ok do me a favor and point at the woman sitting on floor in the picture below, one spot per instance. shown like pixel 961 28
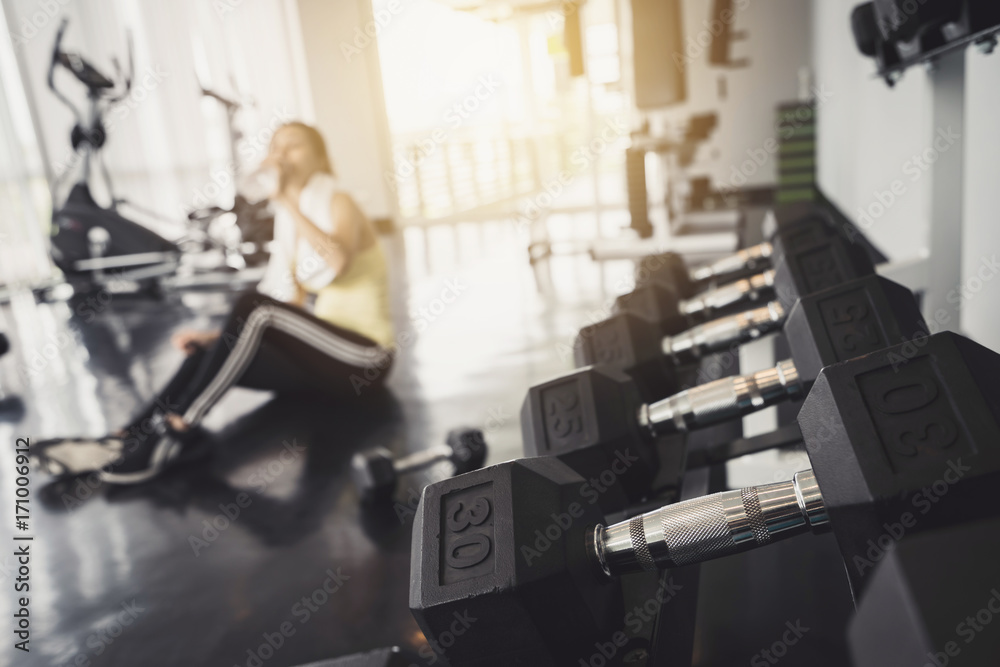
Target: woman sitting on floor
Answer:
pixel 326 254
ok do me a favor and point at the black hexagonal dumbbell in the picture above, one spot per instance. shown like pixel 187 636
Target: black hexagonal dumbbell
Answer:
pixel 928 597
pixel 636 346
pixel 592 417
pixel 903 440
pixel 519 548
pixel 788 226
pixel 376 473
pixel 811 260
pixel 589 419
pixel 467 563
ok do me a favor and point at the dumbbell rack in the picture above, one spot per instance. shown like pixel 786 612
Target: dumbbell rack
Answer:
pixel 686 620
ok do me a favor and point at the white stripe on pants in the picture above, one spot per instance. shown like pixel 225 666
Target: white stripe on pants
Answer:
pixel 248 342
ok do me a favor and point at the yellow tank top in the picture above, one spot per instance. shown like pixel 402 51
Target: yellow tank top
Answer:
pixel 358 299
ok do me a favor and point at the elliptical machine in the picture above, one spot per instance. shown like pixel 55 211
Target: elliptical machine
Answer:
pixel 88 240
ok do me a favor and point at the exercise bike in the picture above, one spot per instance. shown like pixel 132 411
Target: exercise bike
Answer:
pixel 92 244
pixel 247 225
pixel 97 247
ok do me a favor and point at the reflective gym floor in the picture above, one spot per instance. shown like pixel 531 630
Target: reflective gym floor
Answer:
pixel 262 556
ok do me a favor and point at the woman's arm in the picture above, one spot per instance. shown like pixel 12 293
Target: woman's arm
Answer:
pixel 337 247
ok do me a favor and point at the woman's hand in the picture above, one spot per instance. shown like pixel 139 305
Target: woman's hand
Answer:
pixel 288 200
pixel 277 166
pixel 190 340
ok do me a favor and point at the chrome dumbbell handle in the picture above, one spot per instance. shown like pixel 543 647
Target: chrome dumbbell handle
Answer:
pixel 735 292
pixel 422 459
pixel 709 527
pixel 748 258
pixel 721 400
pixel 721 333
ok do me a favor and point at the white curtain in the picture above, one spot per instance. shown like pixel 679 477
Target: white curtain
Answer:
pixel 167 148
pixel 24 200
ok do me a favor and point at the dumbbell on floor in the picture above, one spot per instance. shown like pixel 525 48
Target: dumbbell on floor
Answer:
pixel 519 548
pixel 376 473
pixel 589 417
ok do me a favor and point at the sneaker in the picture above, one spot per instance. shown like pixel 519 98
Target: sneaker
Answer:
pixel 66 457
pixel 115 459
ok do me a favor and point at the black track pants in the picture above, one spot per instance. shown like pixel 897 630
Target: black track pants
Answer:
pixel 270 345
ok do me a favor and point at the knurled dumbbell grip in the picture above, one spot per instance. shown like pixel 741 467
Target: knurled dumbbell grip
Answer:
pixel 722 332
pixel 727 295
pixel 709 527
pixel 721 400
pixel 422 459
pixel 746 258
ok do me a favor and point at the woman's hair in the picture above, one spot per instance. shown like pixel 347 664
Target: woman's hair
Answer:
pixel 315 141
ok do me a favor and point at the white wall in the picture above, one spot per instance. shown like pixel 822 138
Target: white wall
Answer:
pixel 868 132
pixel 347 97
pixel 868 136
pixel 777 46
pixel 981 311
